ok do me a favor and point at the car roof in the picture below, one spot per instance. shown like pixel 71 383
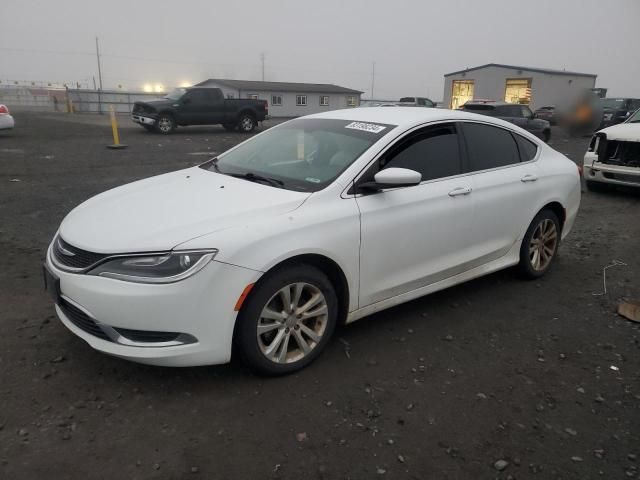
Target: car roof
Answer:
pixel 405 117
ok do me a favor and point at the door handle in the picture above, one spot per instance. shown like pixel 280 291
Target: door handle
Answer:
pixel 529 178
pixel 460 191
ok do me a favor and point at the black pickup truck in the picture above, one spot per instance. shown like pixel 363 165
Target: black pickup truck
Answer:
pixel 199 106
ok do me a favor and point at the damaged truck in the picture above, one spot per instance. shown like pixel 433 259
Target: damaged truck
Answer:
pixel 613 156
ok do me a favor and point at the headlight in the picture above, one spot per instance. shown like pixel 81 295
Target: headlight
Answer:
pixel 159 268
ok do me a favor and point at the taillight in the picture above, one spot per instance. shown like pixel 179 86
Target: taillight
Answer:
pixel 4 109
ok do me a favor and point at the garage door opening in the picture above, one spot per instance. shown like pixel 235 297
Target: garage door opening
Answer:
pixel 518 90
pixel 461 93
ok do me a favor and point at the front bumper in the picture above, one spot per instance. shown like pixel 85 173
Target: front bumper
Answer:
pixel 143 119
pixel 200 307
pixel 6 122
pixel 594 171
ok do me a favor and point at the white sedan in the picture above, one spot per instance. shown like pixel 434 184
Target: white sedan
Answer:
pixel 6 120
pixel 318 221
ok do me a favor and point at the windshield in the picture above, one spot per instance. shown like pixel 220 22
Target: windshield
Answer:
pixel 303 155
pixel 634 118
pixel 176 94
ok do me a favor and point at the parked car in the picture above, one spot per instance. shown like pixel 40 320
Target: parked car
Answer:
pixel 6 120
pixel 613 156
pixel 316 222
pixel 199 106
pixel 369 104
pixel 550 114
pixel 416 102
pixel 520 115
pixel 617 110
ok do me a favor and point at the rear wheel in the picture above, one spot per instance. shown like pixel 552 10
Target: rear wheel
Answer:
pixel 540 245
pixel 287 320
pixel 246 123
pixel 165 124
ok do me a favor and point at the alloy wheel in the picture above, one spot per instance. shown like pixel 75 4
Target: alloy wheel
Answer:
pixel 543 244
pixel 246 124
pixel 165 124
pixel 292 323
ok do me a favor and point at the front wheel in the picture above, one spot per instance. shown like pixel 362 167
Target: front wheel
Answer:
pixel 165 124
pixel 287 320
pixel 246 123
pixel 539 245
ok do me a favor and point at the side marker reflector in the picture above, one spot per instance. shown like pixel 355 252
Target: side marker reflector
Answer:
pixel 243 296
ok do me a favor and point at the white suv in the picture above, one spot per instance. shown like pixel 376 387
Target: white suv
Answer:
pixel 613 156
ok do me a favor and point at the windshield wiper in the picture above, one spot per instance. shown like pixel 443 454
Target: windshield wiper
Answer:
pixel 253 177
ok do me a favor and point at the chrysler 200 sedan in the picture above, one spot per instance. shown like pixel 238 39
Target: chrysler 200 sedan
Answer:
pixel 319 221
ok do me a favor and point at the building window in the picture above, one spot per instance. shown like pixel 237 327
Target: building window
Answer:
pixel 351 101
pixel 324 100
pixel 276 99
pixel 461 93
pixel 253 96
pixel 301 100
pixel 518 90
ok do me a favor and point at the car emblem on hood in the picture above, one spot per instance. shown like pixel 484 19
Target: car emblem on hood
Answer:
pixel 64 251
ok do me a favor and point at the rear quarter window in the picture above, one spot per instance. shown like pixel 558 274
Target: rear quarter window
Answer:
pixel 527 148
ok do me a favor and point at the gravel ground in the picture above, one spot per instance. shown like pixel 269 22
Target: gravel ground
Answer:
pixel 496 378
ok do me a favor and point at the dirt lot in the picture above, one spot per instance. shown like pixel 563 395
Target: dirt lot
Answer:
pixel 543 375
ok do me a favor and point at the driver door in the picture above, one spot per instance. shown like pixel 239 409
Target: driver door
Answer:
pixel 415 236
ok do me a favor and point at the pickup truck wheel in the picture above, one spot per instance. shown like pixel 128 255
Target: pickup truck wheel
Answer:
pixel 165 124
pixel 247 123
pixel 229 127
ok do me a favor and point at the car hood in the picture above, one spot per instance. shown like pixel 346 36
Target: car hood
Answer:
pixel 161 212
pixel 626 132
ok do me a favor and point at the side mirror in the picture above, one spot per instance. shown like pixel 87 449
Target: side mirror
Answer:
pixel 392 178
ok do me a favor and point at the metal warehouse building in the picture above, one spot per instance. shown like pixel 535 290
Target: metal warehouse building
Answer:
pixel 536 87
pixel 289 99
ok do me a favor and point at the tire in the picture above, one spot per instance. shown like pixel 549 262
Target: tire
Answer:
pixel 246 123
pixel 546 136
pixel 165 124
pixel 263 352
pixel 229 127
pixel 537 254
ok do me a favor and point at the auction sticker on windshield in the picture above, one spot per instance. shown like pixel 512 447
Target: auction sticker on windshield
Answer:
pixel 366 127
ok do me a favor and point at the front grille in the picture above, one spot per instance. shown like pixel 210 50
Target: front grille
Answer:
pixel 147 335
pixel 81 319
pixel 72 257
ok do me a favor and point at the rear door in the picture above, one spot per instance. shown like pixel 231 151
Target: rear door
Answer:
pixel 214 112
pixel 505 188
pixel 414 236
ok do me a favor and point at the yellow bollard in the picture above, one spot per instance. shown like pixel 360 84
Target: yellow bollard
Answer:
pixel 114 130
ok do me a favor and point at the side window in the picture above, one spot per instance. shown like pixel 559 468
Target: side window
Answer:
pixel 527 148
pixel 434 152
pixel 503 111
pixel 489 147
pixel 421 102
pixel 197 97
pixel 526 111
pixel 213 95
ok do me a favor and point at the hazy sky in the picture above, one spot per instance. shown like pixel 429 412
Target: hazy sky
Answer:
pixel 413 42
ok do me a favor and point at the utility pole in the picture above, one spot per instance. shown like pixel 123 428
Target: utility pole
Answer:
pixel 373 78
pixel 99 77
pixel 262 59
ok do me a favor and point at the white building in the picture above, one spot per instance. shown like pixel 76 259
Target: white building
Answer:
pixel 289 99
pixel 536 87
